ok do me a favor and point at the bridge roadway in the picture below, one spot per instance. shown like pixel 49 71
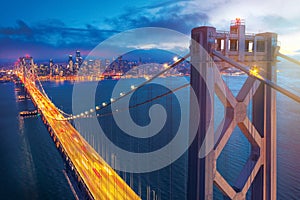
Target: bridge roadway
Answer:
pixel 100 179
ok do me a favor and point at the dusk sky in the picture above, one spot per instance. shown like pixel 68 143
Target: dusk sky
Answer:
pixel 54 29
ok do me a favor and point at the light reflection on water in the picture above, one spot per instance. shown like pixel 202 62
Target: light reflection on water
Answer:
pixel 32 176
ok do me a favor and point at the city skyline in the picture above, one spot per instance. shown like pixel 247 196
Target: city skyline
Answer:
pixel 56 31
pixel 150 100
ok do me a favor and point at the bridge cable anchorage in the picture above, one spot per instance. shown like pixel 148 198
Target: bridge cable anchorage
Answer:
pixel 133 89
pixel 257 76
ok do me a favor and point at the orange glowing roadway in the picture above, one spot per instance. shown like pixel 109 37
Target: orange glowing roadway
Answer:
pixel 100 179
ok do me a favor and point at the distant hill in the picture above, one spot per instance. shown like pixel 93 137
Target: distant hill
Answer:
pixel 151 55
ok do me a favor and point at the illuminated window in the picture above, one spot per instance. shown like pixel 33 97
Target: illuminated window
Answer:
pixel 249 47
pixel 220 44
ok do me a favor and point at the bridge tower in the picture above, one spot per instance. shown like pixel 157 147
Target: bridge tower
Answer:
pixel 259 172
pixel 27 67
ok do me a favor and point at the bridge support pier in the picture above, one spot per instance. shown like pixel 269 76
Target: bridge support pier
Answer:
pixel 201 170
pixel 264 120
pixel 259 173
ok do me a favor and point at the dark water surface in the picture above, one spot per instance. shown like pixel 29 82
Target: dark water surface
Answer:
pixel 31 167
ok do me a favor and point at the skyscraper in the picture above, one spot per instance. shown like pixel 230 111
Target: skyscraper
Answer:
pixel 70 63
pixel 78 58
pixel 78 54
pixel 51 67
pixel 78 61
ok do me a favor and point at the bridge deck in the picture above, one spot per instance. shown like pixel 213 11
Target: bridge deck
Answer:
pixel 100 179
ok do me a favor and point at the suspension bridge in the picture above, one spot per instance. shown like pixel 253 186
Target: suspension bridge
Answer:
pixel 210 51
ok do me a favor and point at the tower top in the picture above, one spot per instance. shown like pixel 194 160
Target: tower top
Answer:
pixel 237 22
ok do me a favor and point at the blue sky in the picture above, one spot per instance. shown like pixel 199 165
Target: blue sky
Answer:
pixel 53 29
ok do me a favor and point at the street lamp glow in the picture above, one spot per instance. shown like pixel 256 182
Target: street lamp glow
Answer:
pixel 254 70
pixel 175 59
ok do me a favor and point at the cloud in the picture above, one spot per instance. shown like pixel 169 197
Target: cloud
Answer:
pixel 278 16
pixel 163 4
pixel 21 30
pixel 48 35
pixel 168 14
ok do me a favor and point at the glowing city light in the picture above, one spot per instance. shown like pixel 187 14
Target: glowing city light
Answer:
pixel 254 70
